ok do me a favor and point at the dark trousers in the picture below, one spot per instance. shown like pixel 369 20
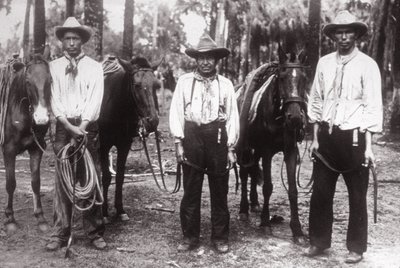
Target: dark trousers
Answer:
pixel 337 149
pixel 92 218
pixel 203 148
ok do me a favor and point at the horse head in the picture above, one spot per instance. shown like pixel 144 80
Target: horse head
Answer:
pixel 292 89
pixel 145 84
pixel 38 81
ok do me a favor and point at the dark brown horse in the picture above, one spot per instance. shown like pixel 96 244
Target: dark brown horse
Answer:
pixel 26 124
pixel 127 109
pixel 278 118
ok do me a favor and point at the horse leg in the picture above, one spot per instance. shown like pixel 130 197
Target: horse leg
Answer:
pixel 35 159
pixel 106 177
pixel 255 173
pixel 267 191
pixel 123 152
pixel 244 202
pixel 290 160
pixel 9 156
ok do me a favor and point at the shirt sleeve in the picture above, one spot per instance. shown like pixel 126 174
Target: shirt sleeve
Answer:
pixel 232 114
pixel 94 95
pixel 177 112
pixel 315 101
pixel 372 117
pixel 57 107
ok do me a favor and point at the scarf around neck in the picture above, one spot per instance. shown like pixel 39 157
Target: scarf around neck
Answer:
pixel 341 62
pixel 73 63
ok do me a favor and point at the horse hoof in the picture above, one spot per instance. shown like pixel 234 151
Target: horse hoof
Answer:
pixel 255 208
pixel 300 240
pixel 11 227
pixel 106 220
pixel 43 227
pixel 243 216
pixel 123 217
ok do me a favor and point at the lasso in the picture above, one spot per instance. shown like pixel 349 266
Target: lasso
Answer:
pixel 89 189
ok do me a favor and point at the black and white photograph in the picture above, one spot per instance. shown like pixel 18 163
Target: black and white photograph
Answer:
pixel 200 133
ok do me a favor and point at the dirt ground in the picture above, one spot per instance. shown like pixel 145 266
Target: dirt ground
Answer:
pixel 151 236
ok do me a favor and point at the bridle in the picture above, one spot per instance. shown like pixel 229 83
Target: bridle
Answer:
pixel 295 99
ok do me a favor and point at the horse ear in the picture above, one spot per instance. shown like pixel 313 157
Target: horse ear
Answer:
pixel 302 57
pixel 282 55
pixel 46 52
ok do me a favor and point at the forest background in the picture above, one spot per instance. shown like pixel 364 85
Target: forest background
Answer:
pixel 251 29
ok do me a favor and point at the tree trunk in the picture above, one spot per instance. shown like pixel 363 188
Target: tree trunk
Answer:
pixel 39 27
pixel 70 8
pixel 313 42
pixel 213 18
pixel 254 45
pixel 25 39
pixel 93 17
pixel 395 103
pixel 155 28
pixel 127 39
pixel 377 44
pixel 220 24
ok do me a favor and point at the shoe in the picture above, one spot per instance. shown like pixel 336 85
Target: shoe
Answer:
pixel 353 257
pixel 99 243
pixel 221 246
pixel 56 245
pixel 313 251
pixel 187 245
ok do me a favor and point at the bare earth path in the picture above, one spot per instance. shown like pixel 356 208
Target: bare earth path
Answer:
pixel 150 238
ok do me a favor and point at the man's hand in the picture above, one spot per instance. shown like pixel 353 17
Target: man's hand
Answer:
pixel 313 147
pixel 231 157
pixel 179 152
pixel 369 158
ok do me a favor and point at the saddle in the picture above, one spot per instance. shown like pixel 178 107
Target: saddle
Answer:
pixel 248 99
pixel 7 74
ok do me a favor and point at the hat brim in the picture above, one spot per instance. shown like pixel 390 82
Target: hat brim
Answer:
pixel 84 32
pixel 359 27
pixel 218 53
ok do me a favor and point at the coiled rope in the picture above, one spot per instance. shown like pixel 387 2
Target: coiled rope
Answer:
pixel 88 190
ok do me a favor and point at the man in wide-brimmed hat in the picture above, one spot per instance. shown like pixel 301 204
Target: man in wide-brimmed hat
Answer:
pixel 76 95
pixel 205 123
pixel 345 107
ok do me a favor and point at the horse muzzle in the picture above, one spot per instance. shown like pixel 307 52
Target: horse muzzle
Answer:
pixel 41 115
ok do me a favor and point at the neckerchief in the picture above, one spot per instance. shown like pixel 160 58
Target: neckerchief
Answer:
pixel 73 63
pixel 206 98
pixel 341 62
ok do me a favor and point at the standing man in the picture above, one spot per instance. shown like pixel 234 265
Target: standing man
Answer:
pixel 345 107
pixel 205 123
pixel 76 95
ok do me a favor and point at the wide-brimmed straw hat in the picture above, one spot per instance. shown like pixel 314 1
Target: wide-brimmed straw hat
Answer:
pixel 345 19
pixel 207 46
pixel 71 24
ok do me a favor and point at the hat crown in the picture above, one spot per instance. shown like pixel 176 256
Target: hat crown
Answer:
pixel 206 43
pixel 344 17
pixel 71 22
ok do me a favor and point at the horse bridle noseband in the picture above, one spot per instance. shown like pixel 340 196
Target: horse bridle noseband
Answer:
pixel 296 99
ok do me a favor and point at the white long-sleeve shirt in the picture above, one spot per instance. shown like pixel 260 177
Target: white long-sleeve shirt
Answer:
pixel 85 97
pixel 360 102
pixel 184 106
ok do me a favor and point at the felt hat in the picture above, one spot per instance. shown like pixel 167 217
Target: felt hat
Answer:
pixel 345 19
pixel 207 46
pixel 71 24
